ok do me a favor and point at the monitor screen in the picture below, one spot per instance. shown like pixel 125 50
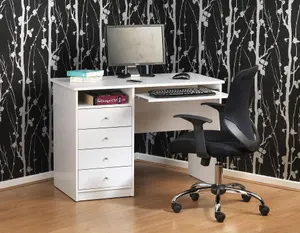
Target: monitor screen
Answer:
pixel 130 45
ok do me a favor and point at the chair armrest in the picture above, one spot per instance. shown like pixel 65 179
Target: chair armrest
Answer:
pixel 220 108
pixel 217 106
pixel 198 122
pixel 195 120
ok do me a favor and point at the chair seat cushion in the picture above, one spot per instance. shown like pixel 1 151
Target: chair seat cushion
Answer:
pixel 218 144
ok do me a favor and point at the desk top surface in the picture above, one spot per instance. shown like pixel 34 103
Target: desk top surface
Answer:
pixel 160 80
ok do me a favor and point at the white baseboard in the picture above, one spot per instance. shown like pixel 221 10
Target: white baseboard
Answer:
pixel 161 160
pixel 25 180
pixel 270 181
pixel 266 180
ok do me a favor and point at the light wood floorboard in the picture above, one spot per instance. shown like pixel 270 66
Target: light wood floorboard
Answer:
pixel 41 208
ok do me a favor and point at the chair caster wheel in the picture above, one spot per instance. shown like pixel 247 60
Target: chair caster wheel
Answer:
pixel 264 210
pixel 220 216
pixel 246 198
pixel 194 196
pixel 176 207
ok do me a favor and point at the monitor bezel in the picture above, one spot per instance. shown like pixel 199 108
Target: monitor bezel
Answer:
pixel 162 26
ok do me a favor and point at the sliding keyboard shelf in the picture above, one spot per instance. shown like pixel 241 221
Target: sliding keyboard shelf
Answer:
pixel 150 99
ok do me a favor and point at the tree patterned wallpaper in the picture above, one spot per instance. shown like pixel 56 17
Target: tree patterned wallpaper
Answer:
pixel 41 39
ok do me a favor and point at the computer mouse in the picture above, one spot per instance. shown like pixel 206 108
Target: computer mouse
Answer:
pixel 183 75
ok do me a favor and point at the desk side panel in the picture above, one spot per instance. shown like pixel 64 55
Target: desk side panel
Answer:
pixel 65 140
pixel 131 94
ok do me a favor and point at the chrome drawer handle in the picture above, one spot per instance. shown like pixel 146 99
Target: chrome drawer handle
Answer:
pixel 106 178
pixel 106 138
pixel 105 159
pixel 105 118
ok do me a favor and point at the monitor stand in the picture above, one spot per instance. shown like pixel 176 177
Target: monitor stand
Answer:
pixel 133 72
pixel 147 75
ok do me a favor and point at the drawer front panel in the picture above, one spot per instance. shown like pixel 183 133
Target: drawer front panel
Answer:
pixel 99 138
pixel 104 117
pixel 108 157
pixel 105 178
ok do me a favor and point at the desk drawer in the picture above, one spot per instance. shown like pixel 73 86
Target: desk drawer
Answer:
pixel 104 117
pixel 101 158
pixel 105 178
pixel 99 138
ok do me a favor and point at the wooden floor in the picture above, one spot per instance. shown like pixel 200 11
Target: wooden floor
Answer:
pixel 42 208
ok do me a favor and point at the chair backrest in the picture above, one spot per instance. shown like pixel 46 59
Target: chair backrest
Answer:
pixel 237 115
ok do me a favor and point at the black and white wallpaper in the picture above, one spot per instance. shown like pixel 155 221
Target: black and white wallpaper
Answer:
pixel 41 39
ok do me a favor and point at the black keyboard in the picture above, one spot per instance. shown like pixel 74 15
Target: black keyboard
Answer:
pixel 178 92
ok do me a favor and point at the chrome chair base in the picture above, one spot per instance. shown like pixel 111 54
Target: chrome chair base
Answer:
pixel 218 190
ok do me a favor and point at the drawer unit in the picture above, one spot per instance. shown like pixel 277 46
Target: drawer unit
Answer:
pixel 104 117
pixel 105 178
pixel 103 158
pixel 101 138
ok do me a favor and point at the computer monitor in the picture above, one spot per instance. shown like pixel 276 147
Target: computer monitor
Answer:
pixel 135 45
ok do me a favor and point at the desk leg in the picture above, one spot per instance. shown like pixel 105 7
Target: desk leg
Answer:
pixel 204 174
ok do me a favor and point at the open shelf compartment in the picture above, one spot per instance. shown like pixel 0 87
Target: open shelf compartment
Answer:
pixel 82 104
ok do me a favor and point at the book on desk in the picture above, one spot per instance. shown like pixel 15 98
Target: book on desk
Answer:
pixel 85 75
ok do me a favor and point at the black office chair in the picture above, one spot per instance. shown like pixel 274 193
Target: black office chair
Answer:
pixel 237 137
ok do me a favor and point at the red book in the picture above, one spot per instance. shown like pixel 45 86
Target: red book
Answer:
pixel 105 97
pixel 110 99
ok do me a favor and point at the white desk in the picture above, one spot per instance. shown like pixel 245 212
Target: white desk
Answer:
pixel 94 145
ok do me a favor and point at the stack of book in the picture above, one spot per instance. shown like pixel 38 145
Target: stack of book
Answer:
pixel 85 75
